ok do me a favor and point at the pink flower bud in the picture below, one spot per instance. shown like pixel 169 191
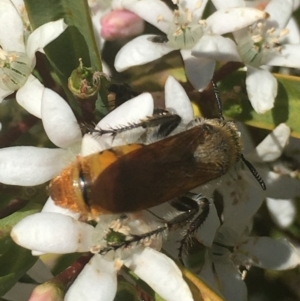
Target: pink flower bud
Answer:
pixel 121 24
pixel 47 292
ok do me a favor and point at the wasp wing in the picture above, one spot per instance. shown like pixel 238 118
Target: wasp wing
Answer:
pixel 155 173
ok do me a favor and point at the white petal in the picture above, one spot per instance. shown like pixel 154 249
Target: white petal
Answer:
pixel 177 99
pixel 233 288
pixel 283 212
pixel 96 282
pixel 222 275
pixel 232 19
pixel 272 146
pixel 271 254
pixel 207 273
pixel 29 96
pixel 58 119
pixel 192 4
pixel 262 89
pixel 288 57
pixel 160 273
pixel 50 206
pixel 280 186
pixel 294 34
pixel 53 233
pixel 11 28
pixel 19 5
pixel 198 70
pixel 280 12
pixel 139 51
pixel 92 144
pixel 43 35
pixel 149 10
pixel 130 112
pixel 206 233
pixel 217 48
pixel 29 166
pixel 221 4
pixel 242 197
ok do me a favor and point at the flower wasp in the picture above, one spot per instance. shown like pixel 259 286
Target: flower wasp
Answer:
pixel 137 176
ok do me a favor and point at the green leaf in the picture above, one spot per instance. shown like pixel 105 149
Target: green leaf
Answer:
pixel 286 107
pixel 78 41
pixel 126 291
pixel 14 260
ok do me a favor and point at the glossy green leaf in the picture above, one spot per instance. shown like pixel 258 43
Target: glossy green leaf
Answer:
pixel 78 41
pixel 14 260
pixel 126 291
pixel 286 108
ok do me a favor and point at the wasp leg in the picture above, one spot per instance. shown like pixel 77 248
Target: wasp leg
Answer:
pixel 193 227
pixel 166 121
pixel 185 204
pixel 188 206
pixel 132 239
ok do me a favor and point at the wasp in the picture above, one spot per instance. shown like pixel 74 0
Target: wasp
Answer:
pixel 134 177
pixel 139 176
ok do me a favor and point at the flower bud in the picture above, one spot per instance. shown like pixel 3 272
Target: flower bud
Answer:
pixel 120 24
pixel 84 82
pixel 48 291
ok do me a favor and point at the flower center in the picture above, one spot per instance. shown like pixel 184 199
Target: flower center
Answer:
pixel 186 29
pixel 15 68
pixel 261 44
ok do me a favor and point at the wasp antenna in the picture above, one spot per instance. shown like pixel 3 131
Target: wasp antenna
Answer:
pixel 218 99
pixel 254 172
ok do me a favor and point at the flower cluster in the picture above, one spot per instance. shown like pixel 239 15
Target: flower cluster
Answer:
pixel 260 39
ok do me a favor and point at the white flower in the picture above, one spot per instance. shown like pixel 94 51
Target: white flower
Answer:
pixel 282 188
pixel 184 30
pixel 234 248
pixel 262 44
pixel 28 165
pixel 17 56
